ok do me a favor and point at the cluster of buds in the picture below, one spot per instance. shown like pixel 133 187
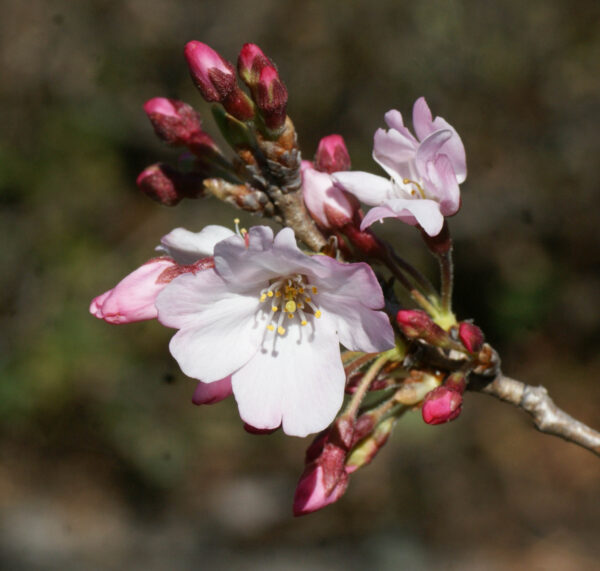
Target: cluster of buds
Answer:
pixel 287 311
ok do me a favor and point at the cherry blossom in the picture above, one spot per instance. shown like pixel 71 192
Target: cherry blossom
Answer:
pixel 425 172
pixel 272 318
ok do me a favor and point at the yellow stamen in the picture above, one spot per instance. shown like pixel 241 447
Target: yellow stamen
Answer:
pixel 271 327
pixel 314 289
pixel 303 322
pixel 274 308
pixel 280 330
pixel 307 299
pixel 317 314
pixel 263 297
pixel 270 293
pixel 277 293
pixel 291 315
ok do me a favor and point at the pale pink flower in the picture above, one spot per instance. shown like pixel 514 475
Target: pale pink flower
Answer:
pixel 425 172
pixel 132 299
pixel 272 317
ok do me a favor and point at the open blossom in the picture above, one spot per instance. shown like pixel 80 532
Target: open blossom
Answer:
pixel 132 299
pixel 272 318
pixel 425 172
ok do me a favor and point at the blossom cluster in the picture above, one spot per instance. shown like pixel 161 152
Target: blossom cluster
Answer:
pixel 303 337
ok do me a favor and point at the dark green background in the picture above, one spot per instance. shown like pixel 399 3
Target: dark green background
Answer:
pixel 105 463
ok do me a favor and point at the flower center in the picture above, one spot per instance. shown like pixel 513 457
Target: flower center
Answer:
pixel 289 296
pixel 417 188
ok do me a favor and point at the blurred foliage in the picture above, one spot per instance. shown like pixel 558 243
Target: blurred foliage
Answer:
pixel 100 446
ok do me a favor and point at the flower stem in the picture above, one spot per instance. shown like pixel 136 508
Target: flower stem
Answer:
pixel 447 276
pixel 365 383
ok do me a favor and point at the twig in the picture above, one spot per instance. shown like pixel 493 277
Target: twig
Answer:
pixel 547 417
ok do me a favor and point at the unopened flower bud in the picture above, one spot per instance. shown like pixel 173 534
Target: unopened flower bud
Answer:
pixel 327 204
pixel 441 405
pixel 174 121
pixel 311 494
pixel 471 336
pixel 332 155
pixel 167 185
pixel 271 98
pixel 215 77
pixel 416 324
pixel 251 62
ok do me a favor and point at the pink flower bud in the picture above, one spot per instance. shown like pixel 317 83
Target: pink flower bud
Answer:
pixel 327 204
pixel 132 299
pixel 211 393
pixel 471 336
pixel 174 121
pixel 441 405
pixel 251 62
pixel 215 78
pixel 332 155
pixel 416 324
pixel 271 98
pixel 311 493
pixel 213 75
pixel 259 431
pixel 168 186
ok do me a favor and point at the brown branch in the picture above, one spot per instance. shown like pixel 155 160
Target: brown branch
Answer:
pixel 547 417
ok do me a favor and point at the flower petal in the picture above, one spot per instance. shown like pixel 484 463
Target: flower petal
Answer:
pixel 218 330
pixel 416 211
pixel 368 188
pixel 429 148
pixel 394 120
pixel 133 298
pixel 188 247
pixel 319 192
pixel 211 393
pixel 300 384
pixel 422 119
pixel 453 147
pixel 443 184
pixel 359 328
pixel 394 153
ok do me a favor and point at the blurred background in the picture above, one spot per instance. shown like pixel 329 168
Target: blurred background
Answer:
pixel 104 461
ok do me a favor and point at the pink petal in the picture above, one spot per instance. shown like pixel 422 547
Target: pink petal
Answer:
pixel 318 192
pixel 453 147
pixel 133 298
pixel 188 247
pixel 394 120
pixel 443 185
pixel 217 326
pixel 422 119
pixel 368 188
pixel 430 148
pixel 211 393
pixel 296 380
pixel 394 152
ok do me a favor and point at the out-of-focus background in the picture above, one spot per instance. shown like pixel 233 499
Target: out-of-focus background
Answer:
pixel 104 461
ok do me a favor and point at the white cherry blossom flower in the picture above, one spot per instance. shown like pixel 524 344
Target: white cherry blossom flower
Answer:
pixel 272 318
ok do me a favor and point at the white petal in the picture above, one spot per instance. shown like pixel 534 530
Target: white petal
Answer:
pixel 359 328
pixel 367 187
pixel 301 386
pixel 187 247
pixel 218 331
pixel 429 148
